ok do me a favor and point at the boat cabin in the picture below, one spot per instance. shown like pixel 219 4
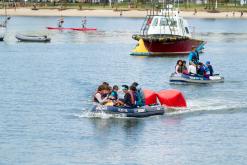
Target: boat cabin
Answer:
pixel 166 22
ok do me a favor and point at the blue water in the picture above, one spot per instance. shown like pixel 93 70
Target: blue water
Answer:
pixel 45 90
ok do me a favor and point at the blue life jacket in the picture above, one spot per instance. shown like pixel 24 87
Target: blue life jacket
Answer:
pixel 140 100
pixel 114 94
pixel 194 57
pixel 210 69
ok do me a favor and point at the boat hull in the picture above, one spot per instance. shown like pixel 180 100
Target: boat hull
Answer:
pixel 157 48
pixel 75 29
pixel 145 111
pixel 175 78
pixel 26 38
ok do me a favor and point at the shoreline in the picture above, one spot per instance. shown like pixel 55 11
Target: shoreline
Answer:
pixel 112 13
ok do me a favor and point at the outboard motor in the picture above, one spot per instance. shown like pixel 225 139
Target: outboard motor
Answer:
pixel 171 98
pixel 150 97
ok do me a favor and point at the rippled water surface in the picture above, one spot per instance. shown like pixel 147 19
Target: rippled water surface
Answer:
pixel 45 89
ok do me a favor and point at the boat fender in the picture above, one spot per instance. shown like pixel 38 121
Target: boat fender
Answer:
pixel 171 98
pixel 155 39
pixel 136 37
pixel 161 39
pixel 150 97
pixel 173 39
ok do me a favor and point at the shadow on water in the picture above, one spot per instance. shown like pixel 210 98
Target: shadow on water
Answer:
pixel 162 56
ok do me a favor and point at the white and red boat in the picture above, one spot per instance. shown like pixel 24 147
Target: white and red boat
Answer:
pixel 166 33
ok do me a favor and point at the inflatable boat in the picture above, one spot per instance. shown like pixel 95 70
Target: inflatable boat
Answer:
pixel 84 29
pixel 139 112
pixel 76 29
pixel 29 38
pixel 184 78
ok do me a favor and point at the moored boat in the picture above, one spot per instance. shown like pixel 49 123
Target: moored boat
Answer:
pixel 184 78
pixel 166 33
pixel 32 38
pixel 144 111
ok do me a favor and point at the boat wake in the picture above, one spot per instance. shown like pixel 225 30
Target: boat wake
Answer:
pixel 195 107
pixel 212 106
pixel 100 114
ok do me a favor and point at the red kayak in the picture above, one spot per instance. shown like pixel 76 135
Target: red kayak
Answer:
pixel 77 29
pixel 84 29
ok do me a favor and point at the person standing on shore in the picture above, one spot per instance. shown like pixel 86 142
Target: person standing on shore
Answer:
pixel 241 13
pixel 195 11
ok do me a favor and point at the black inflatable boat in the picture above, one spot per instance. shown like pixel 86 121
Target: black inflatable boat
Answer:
pixel 144 111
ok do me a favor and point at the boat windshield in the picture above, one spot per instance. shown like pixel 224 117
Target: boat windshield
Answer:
pixel 173 23
pixel 155 22
pixel 166 22
pixel 163 22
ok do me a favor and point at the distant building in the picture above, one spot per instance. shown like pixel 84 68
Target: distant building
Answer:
pixel 243 2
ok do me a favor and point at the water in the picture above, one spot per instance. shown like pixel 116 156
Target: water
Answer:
pixel 45 90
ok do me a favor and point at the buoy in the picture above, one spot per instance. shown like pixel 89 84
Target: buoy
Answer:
pixel 150 97
pixel 171 98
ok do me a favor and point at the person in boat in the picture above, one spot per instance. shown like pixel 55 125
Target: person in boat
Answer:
pixel 107 87
pixel 184 68
pixel 140 98
pixel 192 70
pixel 60 22
pixel 114 95
pixel 84 22
pixel 105 83
pixel 129 97
pixel 194 57
pixel 201 69
pixel 100 96
pixel 194 54
pixel 179 67
pixel 209 69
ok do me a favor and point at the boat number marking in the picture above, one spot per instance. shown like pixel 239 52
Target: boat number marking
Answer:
pixel 140 110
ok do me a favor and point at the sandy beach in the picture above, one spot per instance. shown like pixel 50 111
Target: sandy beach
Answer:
pixel 112 13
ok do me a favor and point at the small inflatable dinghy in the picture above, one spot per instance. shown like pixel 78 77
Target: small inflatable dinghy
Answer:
pixel 32 38
pixel 144 111
pixel 184 78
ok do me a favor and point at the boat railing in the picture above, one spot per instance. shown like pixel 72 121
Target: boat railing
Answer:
pixel 182 27
pixel 193 31
pixel 171 17
pixel 146 24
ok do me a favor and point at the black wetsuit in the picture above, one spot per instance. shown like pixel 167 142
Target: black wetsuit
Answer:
pixel 127 100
